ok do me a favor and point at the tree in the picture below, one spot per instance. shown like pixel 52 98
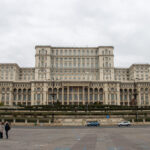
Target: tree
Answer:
pixel 1 104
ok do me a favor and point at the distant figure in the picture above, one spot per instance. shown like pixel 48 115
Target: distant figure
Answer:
pixel 7 128
pixel 1 130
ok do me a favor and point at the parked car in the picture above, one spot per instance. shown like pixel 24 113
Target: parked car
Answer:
pixel 124 123
pixel 93 123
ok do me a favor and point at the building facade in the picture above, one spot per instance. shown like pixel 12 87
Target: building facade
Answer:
pixel 74 75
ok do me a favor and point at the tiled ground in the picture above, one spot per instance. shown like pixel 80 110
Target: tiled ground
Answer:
pixel 78 139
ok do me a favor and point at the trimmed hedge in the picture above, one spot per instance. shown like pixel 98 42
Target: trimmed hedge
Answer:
pixel 147 119
pixel 32 120
pixel 20 120
pixel 89 107
pixel 45 114
pixel 138 120
pixel 43 120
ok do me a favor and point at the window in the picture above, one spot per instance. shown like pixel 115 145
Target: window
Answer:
pixel 70 96
pixel 75 97
pixel 38 96
pixel 79 52
pixel 91 96
pixel 70 52
pixel 80 96
pixel 56 52
pixel 101 97
pixel 106 51
pixel 96 97
pixel 112 96
pixel 83 51
pixel 3 97
pixel 65 52
pixel 24 97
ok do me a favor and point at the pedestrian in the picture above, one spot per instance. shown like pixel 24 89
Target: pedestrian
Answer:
pixel 7 128
pixel 1 130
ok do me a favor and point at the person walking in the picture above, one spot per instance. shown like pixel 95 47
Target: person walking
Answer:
pixel 1 130
pixel 7 128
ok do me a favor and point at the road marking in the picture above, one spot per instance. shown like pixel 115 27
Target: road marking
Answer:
pixel 78 138
pixel 145 147
pixel 114 148
pixel 62 148
pixel 37 145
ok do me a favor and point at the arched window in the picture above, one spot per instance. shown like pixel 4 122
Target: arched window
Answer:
pixel 38 89
pixel 24 90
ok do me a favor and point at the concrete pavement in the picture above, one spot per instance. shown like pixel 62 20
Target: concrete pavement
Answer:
pixel 91 138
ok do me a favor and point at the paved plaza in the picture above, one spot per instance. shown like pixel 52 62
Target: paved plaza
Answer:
pixel 92 138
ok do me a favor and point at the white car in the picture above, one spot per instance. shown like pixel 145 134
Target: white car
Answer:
pixel 124 123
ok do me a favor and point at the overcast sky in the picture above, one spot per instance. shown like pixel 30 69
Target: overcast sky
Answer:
pixel 124 24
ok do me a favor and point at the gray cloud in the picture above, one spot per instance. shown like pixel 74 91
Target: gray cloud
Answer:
pixel 121 23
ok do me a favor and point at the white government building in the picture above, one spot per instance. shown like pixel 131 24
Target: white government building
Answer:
pixel 74 75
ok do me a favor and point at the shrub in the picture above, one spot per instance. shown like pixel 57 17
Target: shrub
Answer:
pixel 43 121
pixel 138 120
pixel 20 120
pixel 32 120
pixel 147 119
pixel 1 104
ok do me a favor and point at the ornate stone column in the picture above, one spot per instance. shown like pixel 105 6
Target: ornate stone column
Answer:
pixel 5 98
pixel 83 97
pixel 11 96
pixel 106 93
pixel 93 95
pixel 128 97
pixel 149 96
pixel 27 97
pixel 98 96
pixel 139 97
pixel 144 99
pixel 78 95
pixel 17 97
pixel 44 94
pixel 0 95
pixel 88 95
pixel 67 95
pixel 32 94
pixel 62 95
pixel 21 96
